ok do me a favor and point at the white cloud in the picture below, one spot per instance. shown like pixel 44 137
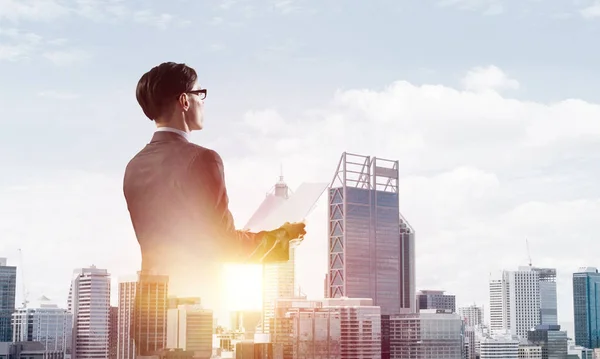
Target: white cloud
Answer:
pixel 67 57
pixel 487 7
pixel 227 4
pixel 13 52
pixel 592 11
pixel 277 51
pixel 217 20
pixel 488 78
pixel 59 95
pixel 37 10
pixel 480 173
pixel 96 10
pixel 16 45
pixel 286 6
pixel 58 41
pixel 216 47
pixel 162 21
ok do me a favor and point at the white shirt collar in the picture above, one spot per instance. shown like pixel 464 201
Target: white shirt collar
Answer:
pixel 174 130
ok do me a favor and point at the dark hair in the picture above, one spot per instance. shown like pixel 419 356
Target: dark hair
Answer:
pixel 162 84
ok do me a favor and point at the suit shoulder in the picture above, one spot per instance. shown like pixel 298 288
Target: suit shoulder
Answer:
pixel 134 159
pixel 204 154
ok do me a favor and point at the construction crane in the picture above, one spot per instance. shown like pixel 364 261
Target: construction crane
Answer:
pixel 24 286
pixel 528 253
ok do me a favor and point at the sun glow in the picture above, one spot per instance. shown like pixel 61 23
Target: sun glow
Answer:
pixel 242 287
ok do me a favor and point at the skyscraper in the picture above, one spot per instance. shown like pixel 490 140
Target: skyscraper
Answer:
pixel 550 339
pixel 89 302
pixel 436 299
pixel 46 323
pixel 143 302
pixel 8 285
pixel 280 206
pixel 548 295
pixel 471 315
pixel 279 279
pixel 515 302
pixel 586 307
pixel 190 328
pixel 371 246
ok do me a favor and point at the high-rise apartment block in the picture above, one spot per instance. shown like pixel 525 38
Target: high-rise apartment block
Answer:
pixel 470 344
pixel 190 328
pixel 371 246
pixel 8 286
pixel 46 323
pixel 89 302
pixel 425 335
pixel 586 307
pixel 499 347
pixel 340 328
pixel 113 335
pixel 142 317
pixel 515 301
pixel 281 324
pixel 471 315
pixel 436 299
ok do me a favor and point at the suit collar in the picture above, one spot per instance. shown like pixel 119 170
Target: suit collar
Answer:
pixel 167 136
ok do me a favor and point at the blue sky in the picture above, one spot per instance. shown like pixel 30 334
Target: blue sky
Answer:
pixel 469 95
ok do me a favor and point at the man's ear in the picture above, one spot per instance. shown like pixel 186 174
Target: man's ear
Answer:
pixel 184 101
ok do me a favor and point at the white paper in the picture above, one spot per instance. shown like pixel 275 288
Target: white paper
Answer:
pixel 274 212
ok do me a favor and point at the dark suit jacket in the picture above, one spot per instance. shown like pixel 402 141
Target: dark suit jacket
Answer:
pixel 177 200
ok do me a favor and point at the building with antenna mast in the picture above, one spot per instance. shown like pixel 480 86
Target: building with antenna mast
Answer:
pixel 281 205
pixel 548 293
pixel 279 279
pixel 371 245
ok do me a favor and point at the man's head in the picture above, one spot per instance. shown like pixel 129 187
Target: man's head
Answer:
pixel 170 95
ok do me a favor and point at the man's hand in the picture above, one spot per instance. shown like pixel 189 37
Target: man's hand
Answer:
pixel 294 230
pixel 275 245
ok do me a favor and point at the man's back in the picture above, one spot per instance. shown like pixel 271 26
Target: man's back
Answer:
pixel 170 201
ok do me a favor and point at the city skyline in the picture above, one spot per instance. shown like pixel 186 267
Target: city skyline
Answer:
pixel 497 140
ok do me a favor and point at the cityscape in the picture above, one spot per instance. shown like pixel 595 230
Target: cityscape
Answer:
pixel 442 156
pixel 370 306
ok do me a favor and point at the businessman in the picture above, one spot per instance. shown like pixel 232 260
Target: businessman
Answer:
pixel 176 196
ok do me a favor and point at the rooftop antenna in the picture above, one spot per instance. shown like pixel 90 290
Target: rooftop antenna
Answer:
pixel 23 282
pixel 528 252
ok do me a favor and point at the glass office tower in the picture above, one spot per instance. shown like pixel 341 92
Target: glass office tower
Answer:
pixel 586 307
pixel 548 296
pixel 371 246
pixel 8 286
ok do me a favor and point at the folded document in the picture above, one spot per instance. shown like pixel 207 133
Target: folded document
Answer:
pixel 274 212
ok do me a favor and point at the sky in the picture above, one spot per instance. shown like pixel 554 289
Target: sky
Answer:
pixel 491 107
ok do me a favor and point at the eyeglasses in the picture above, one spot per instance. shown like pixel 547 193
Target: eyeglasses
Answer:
pixel 200 93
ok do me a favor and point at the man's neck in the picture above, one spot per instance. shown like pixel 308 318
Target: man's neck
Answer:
pixel 173 130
